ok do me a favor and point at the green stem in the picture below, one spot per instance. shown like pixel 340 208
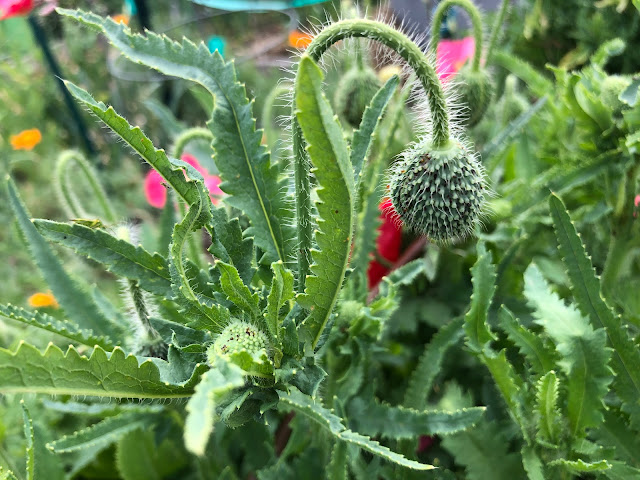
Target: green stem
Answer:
pixel 476 21
pixel 68 197
pixel 267 112
pixel 496 29
pixel 189 135
pixel 621 229
pixel 141 311
pixel 426 74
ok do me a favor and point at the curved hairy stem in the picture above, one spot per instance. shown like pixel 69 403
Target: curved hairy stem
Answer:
pixel 189 135
pixel 69 199
pixel 267 111
pixel 426 74
pixel 476 21
pixel 496 29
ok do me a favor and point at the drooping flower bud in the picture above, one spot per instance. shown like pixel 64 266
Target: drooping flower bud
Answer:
pixel 513 103
pixel 475 89
pixel 354 92
pixel 438 192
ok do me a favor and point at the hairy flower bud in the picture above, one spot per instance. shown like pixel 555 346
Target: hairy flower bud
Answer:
pixel 238 336
pixel 513 103
pixel 610 90
pixel 438 192
pixel 476 90
pixel 354 93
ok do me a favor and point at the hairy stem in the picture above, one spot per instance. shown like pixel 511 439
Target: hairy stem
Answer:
pixel 267 112
pixel 69 199
pixel 189 135
pixel 476 21
pixel 426 74
pixel 496 29
pixel 621 230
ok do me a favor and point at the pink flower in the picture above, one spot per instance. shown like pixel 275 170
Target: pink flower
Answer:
pixel 156 192
pixel 452 55
pixel 15 8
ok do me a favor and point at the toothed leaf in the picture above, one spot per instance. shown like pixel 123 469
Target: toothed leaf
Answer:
pixel 281 292
pixel 236 291
pixel 54 372
pixel 118 256
pixel 585 287
pixel 580 466
pixel 334 173
pixel 549 419
pixel 73 299
pixel 337 467
pixel 583 350
pixel 29 435
pixel 306 406
pixel 254 185
pixel 201 409
pixel 376 419
pixel 483 276
pixel 51 324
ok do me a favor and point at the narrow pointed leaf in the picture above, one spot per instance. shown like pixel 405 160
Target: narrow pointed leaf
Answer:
pixel 118 256
pixel 329 154
pixel 337 467
pixel 73 299
pixel 366 133
pixel 201 409
pixel 306 406
pixel 236 291
pixel 483 276
pixel 428 366
pixel 28 433
pixel 281 292
pixel 549 420
pixel 51 324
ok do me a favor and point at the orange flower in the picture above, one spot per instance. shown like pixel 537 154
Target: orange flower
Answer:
pixel 26 140
pixel 299 39
pixel 41 299
pixel 121 18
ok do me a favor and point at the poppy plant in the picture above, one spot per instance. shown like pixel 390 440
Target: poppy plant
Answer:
pixel 156 193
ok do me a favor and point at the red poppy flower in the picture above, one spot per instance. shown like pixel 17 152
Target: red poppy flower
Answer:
pixel 156 193
pixel 452 55
pixel 388 243
pixel 15 8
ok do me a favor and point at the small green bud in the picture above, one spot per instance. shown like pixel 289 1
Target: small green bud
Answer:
pixel 438 192
pixel 354 93
pixel 238 336
pixel 513 103
pixel 476 90
pixel 610 89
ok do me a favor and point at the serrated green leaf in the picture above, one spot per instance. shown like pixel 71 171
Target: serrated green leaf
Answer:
pixel 615 432
pixel 138 141
pixel 531 345
pixel 620 471
pixel 51 324
pixel 337 467
pixel 103 374
pixel 236 291
pixel 585 287
pixel 29 435
pixel 334 173
pixel 254 185
pixel 422 377
pixel 580 466
pixel 255 364
pixel 306 406
pixel 508 382
pixel 201 311
pixel 201 409
pixel 549 420
pixel 281 292
pixel 364 136
pixel 483 275
pixel 102 434
pixel 484 452
pixel 375 419
pixel 118 256
pixel 532 463
pixel 585 356
pixel 136 456
pixel 73 299
pixel 7 475
pixel 230 246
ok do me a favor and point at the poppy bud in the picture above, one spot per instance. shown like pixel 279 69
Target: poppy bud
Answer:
pixel 476 90
pixel 438 192
pixel 354 93
pixel 237 337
